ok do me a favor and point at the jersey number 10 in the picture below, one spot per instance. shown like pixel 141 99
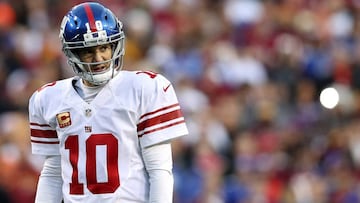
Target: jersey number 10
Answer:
pixel 113 182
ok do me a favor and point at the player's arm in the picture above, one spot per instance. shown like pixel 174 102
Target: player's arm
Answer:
pixel 158 163
pixel 50 183
pixel 160 122
pixel 44 141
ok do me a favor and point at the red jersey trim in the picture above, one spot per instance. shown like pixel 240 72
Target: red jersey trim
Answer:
pixel 161 109
pixel 44 142
pixel 40 125
pixel 160 128
pixel 43 133
pixel 159 119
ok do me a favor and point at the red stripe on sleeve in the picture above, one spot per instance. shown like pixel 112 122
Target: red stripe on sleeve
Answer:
pixel 162 109
pixel 43 133
pixel 90 17
pixel 160 128
pixel 43 142
pixel 159 119
pixel 40 125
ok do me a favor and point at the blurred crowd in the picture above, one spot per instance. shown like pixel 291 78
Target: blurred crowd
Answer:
pixel 248 74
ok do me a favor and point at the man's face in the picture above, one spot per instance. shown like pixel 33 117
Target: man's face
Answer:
pixel 95 55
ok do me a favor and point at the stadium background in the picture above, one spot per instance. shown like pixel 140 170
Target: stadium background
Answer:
pixel 248 75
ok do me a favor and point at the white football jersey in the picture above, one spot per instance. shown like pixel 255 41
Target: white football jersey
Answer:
pixel 100 143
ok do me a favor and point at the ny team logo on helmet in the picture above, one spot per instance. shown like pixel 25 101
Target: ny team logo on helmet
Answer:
pixel 87 25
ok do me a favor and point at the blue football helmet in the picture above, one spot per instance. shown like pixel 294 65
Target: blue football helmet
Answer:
pixel 92 24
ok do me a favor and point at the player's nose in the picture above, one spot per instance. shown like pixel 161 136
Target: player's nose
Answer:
pixel 98 56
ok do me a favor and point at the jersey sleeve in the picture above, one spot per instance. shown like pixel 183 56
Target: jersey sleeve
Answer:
pixel 161 118
pixel 44 139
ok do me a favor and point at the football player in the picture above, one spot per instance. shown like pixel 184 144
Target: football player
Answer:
pixel 106 133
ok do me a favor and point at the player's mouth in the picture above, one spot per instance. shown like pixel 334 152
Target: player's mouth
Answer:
pixel 99 69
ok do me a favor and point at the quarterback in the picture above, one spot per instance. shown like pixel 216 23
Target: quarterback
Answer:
pixel 106 133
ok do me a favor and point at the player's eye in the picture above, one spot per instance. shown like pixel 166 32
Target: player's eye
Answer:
pixel 104 47
pixel 85 53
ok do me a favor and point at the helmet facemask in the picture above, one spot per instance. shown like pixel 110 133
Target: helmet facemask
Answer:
pixel 114 64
